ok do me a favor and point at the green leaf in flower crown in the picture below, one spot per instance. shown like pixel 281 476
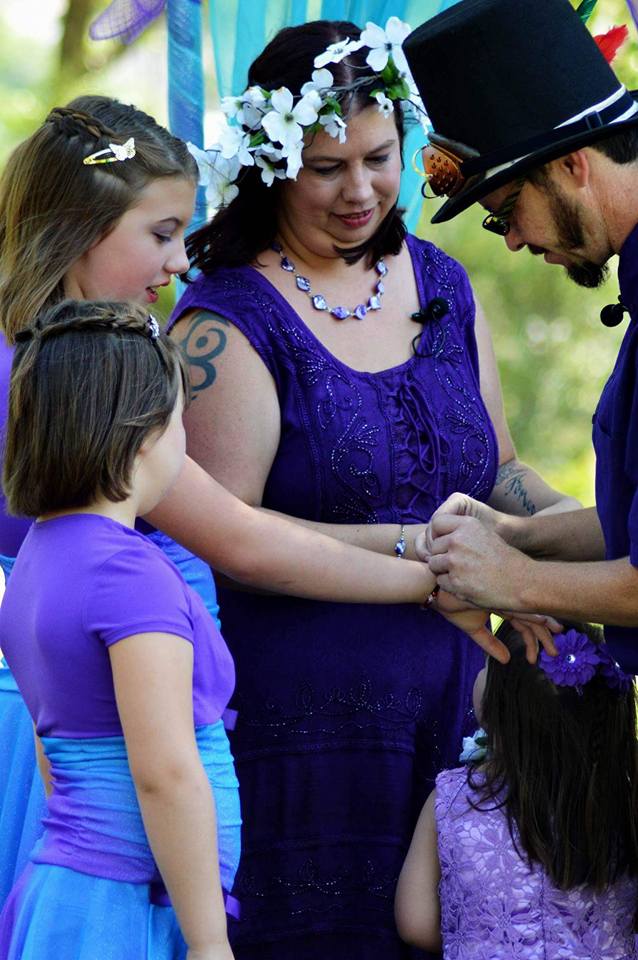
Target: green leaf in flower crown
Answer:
pixel 331 105
pixel 256 139
pixel 398 91
pixel 585 9
pixel 389 73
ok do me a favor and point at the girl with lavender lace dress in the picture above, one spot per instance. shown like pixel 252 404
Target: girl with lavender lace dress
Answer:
pixel 531 853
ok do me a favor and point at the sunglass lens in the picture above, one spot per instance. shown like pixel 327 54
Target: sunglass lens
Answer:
pixel 496 225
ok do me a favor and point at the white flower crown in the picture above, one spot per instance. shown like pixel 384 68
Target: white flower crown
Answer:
pixel 266 127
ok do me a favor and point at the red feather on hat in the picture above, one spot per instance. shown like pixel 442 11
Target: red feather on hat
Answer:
pixel 609 43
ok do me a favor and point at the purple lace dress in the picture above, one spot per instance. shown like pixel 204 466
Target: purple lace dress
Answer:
pixel 347 712
pixel 494 907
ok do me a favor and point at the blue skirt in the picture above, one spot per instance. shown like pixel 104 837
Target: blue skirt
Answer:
pixel 55 913
pixel 94 821
pixel 22 803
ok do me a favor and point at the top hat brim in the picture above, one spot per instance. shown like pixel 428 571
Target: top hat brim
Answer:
pixel 481 185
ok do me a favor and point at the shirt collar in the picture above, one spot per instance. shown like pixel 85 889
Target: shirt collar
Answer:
pixel 628 272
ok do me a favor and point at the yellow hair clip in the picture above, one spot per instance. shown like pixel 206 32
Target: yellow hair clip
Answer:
pixel 117 151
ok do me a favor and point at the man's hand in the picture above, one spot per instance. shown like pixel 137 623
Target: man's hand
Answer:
pixel 472 562
pixel 457 504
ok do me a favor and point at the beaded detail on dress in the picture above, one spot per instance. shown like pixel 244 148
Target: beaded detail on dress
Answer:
pixel 494 907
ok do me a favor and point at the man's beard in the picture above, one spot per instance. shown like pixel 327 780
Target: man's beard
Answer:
pixel 571 236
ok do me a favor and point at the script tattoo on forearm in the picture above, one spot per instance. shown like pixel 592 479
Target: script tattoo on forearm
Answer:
pixel 205 340
pixel 512 478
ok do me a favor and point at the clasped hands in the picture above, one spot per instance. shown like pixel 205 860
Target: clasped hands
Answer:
pixel 479 573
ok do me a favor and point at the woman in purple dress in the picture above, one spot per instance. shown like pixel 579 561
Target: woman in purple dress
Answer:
pixel 315 398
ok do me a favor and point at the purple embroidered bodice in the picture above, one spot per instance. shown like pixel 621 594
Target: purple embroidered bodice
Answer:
pixel 494 907
pixel 346 711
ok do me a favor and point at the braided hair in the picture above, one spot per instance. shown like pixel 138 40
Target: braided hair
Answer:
pixel 53 207
pixel 89 382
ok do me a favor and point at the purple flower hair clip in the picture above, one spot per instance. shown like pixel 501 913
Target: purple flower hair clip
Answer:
pixel 576 663
pixel 578 660
pixel 615 677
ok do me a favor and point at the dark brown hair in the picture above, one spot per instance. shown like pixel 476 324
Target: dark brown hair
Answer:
pixel 88 384
pixel 563 764
pixel 53 208
pixel 620 147
pixel 248 225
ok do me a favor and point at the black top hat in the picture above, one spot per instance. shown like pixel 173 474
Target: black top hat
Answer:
pixel 517 83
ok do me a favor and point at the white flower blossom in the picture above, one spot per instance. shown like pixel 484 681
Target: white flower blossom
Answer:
pixel 268 171
pixel 253 108
pixel 284 123
pixel 222 194
pixel 321 80
pixel 335 52
pixel 386 107
pixel 245 110
pixel 334 125
pixel 474 747
pixel 234 142
pixel 217 174
pixel 294 163
pixel 384 43
pixel 231 106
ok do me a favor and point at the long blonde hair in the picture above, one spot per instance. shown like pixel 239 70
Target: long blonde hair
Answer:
pixel 53 207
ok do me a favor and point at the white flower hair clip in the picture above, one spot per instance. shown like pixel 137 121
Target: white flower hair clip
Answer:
pixel 266 128
pixel 117 151
pixel 153 327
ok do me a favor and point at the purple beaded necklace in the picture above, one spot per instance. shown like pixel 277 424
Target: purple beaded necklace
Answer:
pixel 319 302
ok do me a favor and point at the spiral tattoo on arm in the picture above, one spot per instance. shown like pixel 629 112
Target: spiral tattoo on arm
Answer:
pixel 205 340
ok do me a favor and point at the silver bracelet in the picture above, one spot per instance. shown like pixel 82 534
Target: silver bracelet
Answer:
pixel 400 546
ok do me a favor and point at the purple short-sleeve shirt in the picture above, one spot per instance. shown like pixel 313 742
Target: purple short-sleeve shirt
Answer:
pixel 82 582
pixel 615 436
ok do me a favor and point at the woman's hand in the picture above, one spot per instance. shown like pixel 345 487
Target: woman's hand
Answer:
pixel 472 620
pixel 534 628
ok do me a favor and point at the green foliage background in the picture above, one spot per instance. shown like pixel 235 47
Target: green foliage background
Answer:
pixel 554 354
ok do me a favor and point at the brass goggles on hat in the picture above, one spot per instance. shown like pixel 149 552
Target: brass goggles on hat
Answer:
pixel 442 170
pixel 442 161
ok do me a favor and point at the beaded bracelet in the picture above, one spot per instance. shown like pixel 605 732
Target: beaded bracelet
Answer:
pixel 429 600
pixel 400 546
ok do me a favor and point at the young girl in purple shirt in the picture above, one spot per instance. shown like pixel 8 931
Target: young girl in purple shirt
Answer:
pixel 123 671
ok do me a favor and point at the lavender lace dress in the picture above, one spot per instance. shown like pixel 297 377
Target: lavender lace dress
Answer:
pixel 347 712
pixel 493 907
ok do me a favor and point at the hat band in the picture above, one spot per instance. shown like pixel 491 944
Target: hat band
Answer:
pixel 620 106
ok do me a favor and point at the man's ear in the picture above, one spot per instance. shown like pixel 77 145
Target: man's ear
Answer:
pixel 573 169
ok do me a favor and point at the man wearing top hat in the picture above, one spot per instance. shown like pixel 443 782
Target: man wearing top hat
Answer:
pixel 529 120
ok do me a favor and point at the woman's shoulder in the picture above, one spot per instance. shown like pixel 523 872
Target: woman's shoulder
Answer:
pixel 434 257
pixel 230 290
pixel 442 276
